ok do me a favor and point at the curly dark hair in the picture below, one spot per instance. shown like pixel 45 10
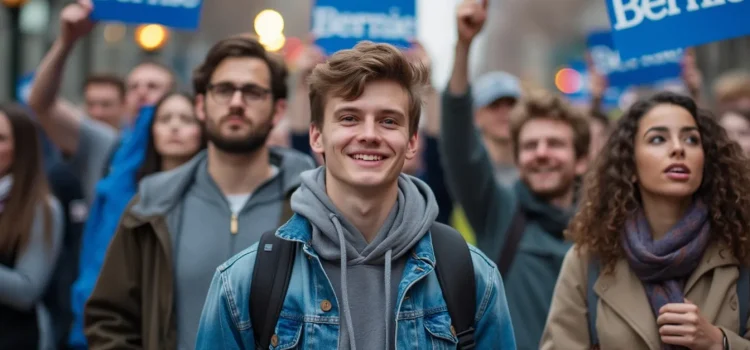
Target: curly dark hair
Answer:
pixel 610 197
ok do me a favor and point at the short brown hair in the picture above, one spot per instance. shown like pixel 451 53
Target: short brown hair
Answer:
pixel 106 79
pixel 347 72
pixel 732 85
pixel 542 104
pixel 239 46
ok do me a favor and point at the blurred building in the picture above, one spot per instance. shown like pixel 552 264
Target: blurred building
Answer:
pixel 530 38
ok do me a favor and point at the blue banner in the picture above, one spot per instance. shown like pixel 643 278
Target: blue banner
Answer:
pixel 179 14
pixel 582 93
pixel 645 69
pixel 642 27
pixel 23 88
pixel 341 24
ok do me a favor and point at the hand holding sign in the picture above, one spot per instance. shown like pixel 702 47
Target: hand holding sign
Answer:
pixel 691 75
pixel 75 22
pixel 471 15
pixel 597 81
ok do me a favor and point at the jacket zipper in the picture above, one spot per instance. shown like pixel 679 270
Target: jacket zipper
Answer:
pixel 233 224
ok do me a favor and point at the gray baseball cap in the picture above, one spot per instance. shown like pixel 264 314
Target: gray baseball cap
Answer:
pixel 493 86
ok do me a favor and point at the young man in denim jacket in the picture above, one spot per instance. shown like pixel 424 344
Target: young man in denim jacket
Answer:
pixel 364 277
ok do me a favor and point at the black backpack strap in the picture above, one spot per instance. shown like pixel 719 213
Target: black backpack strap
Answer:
pixel 513 238
pixel 592 300
pixel 286 209
pixel 455 272
pixel 273 270
pixel 743 294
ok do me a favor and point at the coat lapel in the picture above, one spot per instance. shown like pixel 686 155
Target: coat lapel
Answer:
pixel 715 256
pixel 624 293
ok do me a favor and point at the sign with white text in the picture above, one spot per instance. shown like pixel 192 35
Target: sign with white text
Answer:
pixel 580 93
pixel 23 87
pixel 641 70
pixel 341 24
pixel 180 14
pixel 641 27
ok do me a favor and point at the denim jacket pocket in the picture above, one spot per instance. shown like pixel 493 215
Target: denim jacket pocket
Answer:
pixel 438 328
pixel 288 333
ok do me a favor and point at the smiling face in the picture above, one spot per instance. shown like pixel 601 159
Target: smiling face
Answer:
pixel 366 141
pixel 547 157
pixel 669 154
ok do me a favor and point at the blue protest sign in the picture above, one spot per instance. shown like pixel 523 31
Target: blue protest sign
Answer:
pixel 645 69
pixel 579 90
pixel 642 27
pixel 341 24
pixel 23 88
pixel 180 14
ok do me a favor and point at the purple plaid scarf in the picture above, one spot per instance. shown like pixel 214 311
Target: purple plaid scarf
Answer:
pixel 664 265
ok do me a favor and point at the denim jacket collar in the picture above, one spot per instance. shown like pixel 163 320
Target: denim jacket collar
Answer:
pixel 299 229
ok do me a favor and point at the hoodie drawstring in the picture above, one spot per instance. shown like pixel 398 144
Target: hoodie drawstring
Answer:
pixel 345 290
pixel 387 278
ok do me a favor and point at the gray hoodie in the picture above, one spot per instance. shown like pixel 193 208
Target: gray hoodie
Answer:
pixel 367 269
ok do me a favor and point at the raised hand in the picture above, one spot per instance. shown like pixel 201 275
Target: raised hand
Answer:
pixel 691 75
pixel 75 22
pixel 471 15
pixel 597 81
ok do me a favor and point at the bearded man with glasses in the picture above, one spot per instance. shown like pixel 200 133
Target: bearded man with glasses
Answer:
pixel 184 223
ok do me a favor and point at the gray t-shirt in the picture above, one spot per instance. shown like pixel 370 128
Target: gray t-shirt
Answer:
pixel 96 143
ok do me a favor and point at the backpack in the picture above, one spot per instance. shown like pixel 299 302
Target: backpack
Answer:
pixel 743 293
pixel 454 268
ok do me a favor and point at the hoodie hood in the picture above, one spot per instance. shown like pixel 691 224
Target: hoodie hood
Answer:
pixel 160 192
pixel 334 238
pixel 410 218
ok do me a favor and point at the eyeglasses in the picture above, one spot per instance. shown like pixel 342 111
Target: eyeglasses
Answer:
pixel 223 92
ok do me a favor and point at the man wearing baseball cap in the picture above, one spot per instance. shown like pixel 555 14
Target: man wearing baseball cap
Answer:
pixel 494 96
pixel 519 227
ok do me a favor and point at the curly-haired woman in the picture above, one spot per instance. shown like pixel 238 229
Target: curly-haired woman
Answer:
pixel 665 218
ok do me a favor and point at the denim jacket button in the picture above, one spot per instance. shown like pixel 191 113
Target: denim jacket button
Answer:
pixel 274 340
pixel 325 305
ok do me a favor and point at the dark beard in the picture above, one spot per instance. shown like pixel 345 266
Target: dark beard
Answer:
pixel 253 142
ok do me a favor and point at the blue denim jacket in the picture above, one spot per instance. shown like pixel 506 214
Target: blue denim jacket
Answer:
pixel 422 317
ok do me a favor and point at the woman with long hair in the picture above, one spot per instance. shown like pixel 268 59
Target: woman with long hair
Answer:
pixel 31 229
pixel 661 237
pixel 176 134
pixel 164 137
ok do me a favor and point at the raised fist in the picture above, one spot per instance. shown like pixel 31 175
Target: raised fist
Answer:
pixel 75 22
pixel 471 15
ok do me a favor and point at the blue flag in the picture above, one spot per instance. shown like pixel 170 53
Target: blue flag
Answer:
pixel 641 27
pixel 180 14
pixel 641 70
pixel 341 24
